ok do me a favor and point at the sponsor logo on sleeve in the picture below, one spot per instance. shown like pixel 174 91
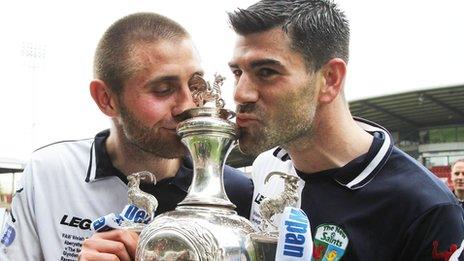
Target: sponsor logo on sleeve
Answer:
pixel 330 243
pixel 295 242
pixel 8 236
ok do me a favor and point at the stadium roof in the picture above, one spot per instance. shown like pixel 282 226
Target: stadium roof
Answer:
pixel 8 165
pixel 414 110
pixel 404 111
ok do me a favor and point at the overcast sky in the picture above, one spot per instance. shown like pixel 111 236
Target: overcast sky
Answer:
pixel 46 52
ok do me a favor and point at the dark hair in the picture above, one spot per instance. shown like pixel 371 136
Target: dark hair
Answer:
pixel 112 56
pixel 318 30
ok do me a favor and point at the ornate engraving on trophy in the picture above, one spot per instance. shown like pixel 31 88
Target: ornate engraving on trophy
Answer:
pixel 272 206
pixel 205 243
pixel 139 198
pixel 203 92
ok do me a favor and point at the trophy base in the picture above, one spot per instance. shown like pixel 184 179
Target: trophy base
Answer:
pixel 262 247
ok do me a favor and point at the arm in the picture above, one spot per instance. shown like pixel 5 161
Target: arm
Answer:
pixel 19 239
pixel 111 245
pixel 436 235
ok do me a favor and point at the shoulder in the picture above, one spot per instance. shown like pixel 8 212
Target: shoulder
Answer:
pixel 60 157
pixel 413 182
pixel 265 157
pixel 75 147
pixel 267 162
pixel 239 189
pixel 235 177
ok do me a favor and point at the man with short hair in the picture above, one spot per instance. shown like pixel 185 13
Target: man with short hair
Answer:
pixel 457 180
pixel 143 66
pixel 365 199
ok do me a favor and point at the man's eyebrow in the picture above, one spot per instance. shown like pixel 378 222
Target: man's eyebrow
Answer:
pixel 165 78
pixel 258 63
pixel 233 65
pixel 262 62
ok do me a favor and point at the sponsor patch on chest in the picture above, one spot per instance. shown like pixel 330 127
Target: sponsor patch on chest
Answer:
pixel 330 242
pixel 82 223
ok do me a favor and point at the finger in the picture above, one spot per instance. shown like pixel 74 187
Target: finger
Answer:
pixel 95 256
pixel 100 245
pixel 128 238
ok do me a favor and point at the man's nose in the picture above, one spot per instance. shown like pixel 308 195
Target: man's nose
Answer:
pixel 245 90
pixel 183 101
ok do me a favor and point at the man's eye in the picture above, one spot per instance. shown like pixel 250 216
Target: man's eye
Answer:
pixel 266 72
pixel 237 72
pixel 163 89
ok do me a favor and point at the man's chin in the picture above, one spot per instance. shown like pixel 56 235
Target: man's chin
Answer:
pixel 169 149
pixel 171 154
pixel 249 146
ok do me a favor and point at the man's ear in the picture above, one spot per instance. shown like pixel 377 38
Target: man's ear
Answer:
pixel 333 76
pixel 103 97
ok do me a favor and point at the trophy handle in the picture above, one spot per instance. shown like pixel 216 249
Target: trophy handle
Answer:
pixel 272 206
pixel 139 198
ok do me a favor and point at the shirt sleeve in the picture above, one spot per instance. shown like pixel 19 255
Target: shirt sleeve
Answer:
pixel 436 235
pixel 19 239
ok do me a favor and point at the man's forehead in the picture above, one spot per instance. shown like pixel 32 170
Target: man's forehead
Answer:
pixel 458 166
pixel 275 38
pixel 164 46
pixel 269 45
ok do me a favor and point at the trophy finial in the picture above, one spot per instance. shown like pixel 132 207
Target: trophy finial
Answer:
pixel 204 94
pixel 272 206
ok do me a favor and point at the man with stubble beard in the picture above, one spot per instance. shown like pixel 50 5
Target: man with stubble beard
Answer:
pixel 365 199
pixel 143 67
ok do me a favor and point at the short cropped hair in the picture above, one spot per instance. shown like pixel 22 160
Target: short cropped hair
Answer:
pixel 456 162
pixel 112 56
pixel 318 30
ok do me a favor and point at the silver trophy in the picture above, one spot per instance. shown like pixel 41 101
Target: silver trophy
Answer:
pixel 204 226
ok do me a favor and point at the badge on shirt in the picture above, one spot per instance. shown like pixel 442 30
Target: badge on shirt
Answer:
pixel 330 243
pixel 8 236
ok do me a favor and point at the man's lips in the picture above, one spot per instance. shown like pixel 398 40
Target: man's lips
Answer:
pixel 244 120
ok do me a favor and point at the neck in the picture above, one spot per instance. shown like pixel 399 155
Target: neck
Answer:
pixel 335 140
pixel 459 194
pixel 129 159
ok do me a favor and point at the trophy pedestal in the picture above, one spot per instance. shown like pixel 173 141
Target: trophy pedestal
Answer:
pixel 262 247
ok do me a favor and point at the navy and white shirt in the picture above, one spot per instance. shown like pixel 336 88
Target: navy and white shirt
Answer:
pixel 68 184
pixel 382 205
